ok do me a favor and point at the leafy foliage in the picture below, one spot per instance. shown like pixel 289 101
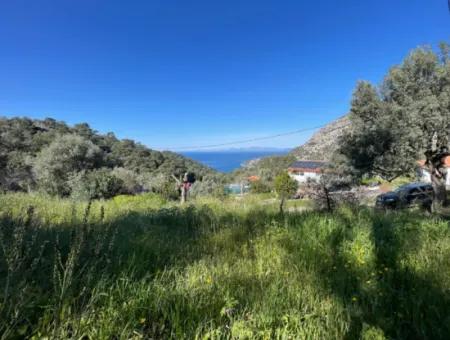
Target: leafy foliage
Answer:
pixel 285 186
pixel 47 154
pixel 96 184
pixel 64 157
pixel 408 115
pixel 210 186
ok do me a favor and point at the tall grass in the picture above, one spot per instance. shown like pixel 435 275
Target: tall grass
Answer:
pixel 138 267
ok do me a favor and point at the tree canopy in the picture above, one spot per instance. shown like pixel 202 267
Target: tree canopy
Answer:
pixel 285 186
pixel 404 119
pixel 49 155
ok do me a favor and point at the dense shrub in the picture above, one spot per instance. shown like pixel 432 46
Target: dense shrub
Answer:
pixel 95 184
pixel 130 181
pixel 260 187
pixel 209 186
pixel 169 190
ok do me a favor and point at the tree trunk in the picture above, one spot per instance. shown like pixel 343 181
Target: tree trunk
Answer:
pixel 438 175
pixel 439 187
pixel 327 196
pixel 281 205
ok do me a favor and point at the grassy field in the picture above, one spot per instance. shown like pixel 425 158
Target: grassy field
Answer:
pixel 137 267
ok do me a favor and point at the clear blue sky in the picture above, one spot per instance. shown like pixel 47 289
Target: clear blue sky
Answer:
pixel 173 73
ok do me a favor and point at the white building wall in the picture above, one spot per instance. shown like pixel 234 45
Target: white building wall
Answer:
pixel 303 177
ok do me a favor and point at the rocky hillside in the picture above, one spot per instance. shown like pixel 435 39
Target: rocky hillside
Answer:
pixel 323 143
pixel 320 146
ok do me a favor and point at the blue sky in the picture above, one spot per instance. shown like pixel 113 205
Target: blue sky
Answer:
pixel 179 73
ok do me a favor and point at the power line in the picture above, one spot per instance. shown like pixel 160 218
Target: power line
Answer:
pixel 198 147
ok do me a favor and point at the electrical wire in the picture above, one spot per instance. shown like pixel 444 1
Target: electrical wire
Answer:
pixel 210 146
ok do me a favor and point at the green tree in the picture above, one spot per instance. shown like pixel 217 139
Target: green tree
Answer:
pixel 63 158
pixel 406 119
pixel 285 186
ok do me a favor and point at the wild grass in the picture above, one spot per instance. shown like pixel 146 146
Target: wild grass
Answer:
pixel 138 267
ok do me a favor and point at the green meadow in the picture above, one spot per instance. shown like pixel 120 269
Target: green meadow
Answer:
pixel 137 267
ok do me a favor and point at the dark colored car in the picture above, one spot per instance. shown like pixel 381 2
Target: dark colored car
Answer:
pixel 406 196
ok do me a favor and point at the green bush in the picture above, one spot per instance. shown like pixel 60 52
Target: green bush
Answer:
pixel 169 190
pixel 209 186
pixel 260 187
pixel 95 184
pixel 130 181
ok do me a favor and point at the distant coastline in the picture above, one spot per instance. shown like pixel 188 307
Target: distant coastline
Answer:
pixel 231 159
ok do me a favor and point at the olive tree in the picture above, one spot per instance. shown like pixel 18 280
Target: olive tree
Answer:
pixel 64 157
pixel 285 186
pixel 406 119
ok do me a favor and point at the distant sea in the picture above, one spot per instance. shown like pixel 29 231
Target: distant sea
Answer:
pixel 229 160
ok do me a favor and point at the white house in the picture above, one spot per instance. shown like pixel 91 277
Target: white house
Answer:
pixel 302 171
pixel 425 176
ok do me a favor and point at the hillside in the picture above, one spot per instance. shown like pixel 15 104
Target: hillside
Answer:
pixel 50 155
pixel 320 146
pixel 266 167
pixel 323 143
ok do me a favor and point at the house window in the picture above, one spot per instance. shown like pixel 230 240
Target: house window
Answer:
pixel 300 173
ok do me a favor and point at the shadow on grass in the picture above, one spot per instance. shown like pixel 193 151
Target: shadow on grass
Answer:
pixel 61 264
pixel 403 304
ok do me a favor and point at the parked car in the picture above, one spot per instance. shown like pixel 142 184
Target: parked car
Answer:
pixel 405 196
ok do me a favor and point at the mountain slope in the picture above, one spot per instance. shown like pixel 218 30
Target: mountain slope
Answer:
pixel 324 142
pixel 321 146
